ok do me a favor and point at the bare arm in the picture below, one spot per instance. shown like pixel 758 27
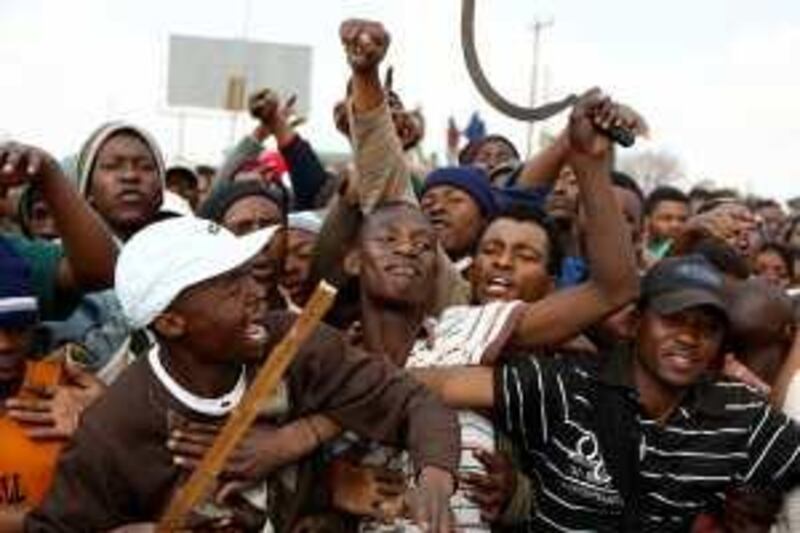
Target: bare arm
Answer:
pixel 614 280
pixel 544 167
pixel 382 170
pixel 90 252
pixel 460 387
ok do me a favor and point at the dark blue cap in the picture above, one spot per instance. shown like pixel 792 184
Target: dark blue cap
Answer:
pixel 471 180
pixel 18 304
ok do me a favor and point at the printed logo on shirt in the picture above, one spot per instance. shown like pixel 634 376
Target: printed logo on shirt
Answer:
pixel 587 463
pixel 11 492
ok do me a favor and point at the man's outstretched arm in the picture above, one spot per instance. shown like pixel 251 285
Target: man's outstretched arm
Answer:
pixel 469 387
pixel 89 250
pixel 614 281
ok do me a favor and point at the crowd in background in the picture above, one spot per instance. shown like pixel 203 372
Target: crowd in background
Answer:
pixel 515 344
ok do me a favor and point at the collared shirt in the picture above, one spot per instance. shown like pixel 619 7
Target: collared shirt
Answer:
pixel 722 434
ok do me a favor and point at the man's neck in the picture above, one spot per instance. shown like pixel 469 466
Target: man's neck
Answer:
pixel 390 330
pixel 656 398
pixel 201 379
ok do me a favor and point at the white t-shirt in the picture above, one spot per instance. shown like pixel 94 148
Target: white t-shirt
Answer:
pixel 463 335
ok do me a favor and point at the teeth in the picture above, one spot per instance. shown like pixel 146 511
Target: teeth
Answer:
pixel 256 333
pixel 403 271
pixel 500 281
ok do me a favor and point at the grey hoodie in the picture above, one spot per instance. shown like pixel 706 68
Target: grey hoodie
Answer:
pixel 98 324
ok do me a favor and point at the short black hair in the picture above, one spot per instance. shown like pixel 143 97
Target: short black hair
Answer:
pixel 624 181
pixel 664 193
pixel 467 154
pixel 699 193
pixel 523 212
pixel 183 175
pixel 205 169
pixel 764 203
pixel 786 254
pixel 720 197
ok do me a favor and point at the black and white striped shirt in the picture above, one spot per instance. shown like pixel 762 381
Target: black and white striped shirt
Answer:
pixel 721 435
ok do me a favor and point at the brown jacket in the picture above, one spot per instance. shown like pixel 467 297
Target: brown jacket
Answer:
pixel 117 470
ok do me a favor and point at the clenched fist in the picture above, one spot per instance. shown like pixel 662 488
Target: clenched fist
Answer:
pixel 593 115
pixel 365 43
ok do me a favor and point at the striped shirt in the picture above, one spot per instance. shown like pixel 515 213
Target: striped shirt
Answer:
pixel 721 435
pixel 463 335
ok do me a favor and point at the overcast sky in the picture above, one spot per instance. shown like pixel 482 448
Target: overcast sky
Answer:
pixel 716 79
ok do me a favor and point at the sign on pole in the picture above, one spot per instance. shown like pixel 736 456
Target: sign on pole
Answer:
pixel 219 73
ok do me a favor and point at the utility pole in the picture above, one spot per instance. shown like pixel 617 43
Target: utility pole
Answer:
pixel 538 26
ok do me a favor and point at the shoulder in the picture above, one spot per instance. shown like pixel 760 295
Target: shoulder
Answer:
pixel 126 406
pixel 478 321
pixel 724 398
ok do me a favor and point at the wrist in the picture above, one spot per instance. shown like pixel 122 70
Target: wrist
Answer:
pixel 50 172
pixel 594 163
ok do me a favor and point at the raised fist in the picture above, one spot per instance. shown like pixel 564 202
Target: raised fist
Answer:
pixel 274 116
pixel 365 43
pixel 595 112
pixel 20 164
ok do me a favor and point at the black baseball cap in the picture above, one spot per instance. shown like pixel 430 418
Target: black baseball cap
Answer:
pixel 679 283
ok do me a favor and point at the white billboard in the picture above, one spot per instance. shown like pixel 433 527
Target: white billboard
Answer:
pixel 220 73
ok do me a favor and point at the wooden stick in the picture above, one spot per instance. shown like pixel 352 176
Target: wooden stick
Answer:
pixel 269 376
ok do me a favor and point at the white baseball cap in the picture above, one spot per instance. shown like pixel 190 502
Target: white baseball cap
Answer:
pixel 167 257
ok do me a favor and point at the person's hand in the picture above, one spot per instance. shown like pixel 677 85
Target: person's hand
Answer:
pixel 365 43
pixel 366 490
pixel 734 369
pixel 54 413
pixel 593 113
pixel 263 449
pixel 21 164
pixel 493 490
pixel 733 223
pixel 429 502
pixel 275 117
pixel 409 126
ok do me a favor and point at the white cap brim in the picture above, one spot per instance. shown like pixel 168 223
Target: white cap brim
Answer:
pixel 150 275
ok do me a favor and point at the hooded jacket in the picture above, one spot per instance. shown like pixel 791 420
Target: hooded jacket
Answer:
pixel 87 157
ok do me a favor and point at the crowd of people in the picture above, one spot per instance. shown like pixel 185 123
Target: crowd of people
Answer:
pixel 515 345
